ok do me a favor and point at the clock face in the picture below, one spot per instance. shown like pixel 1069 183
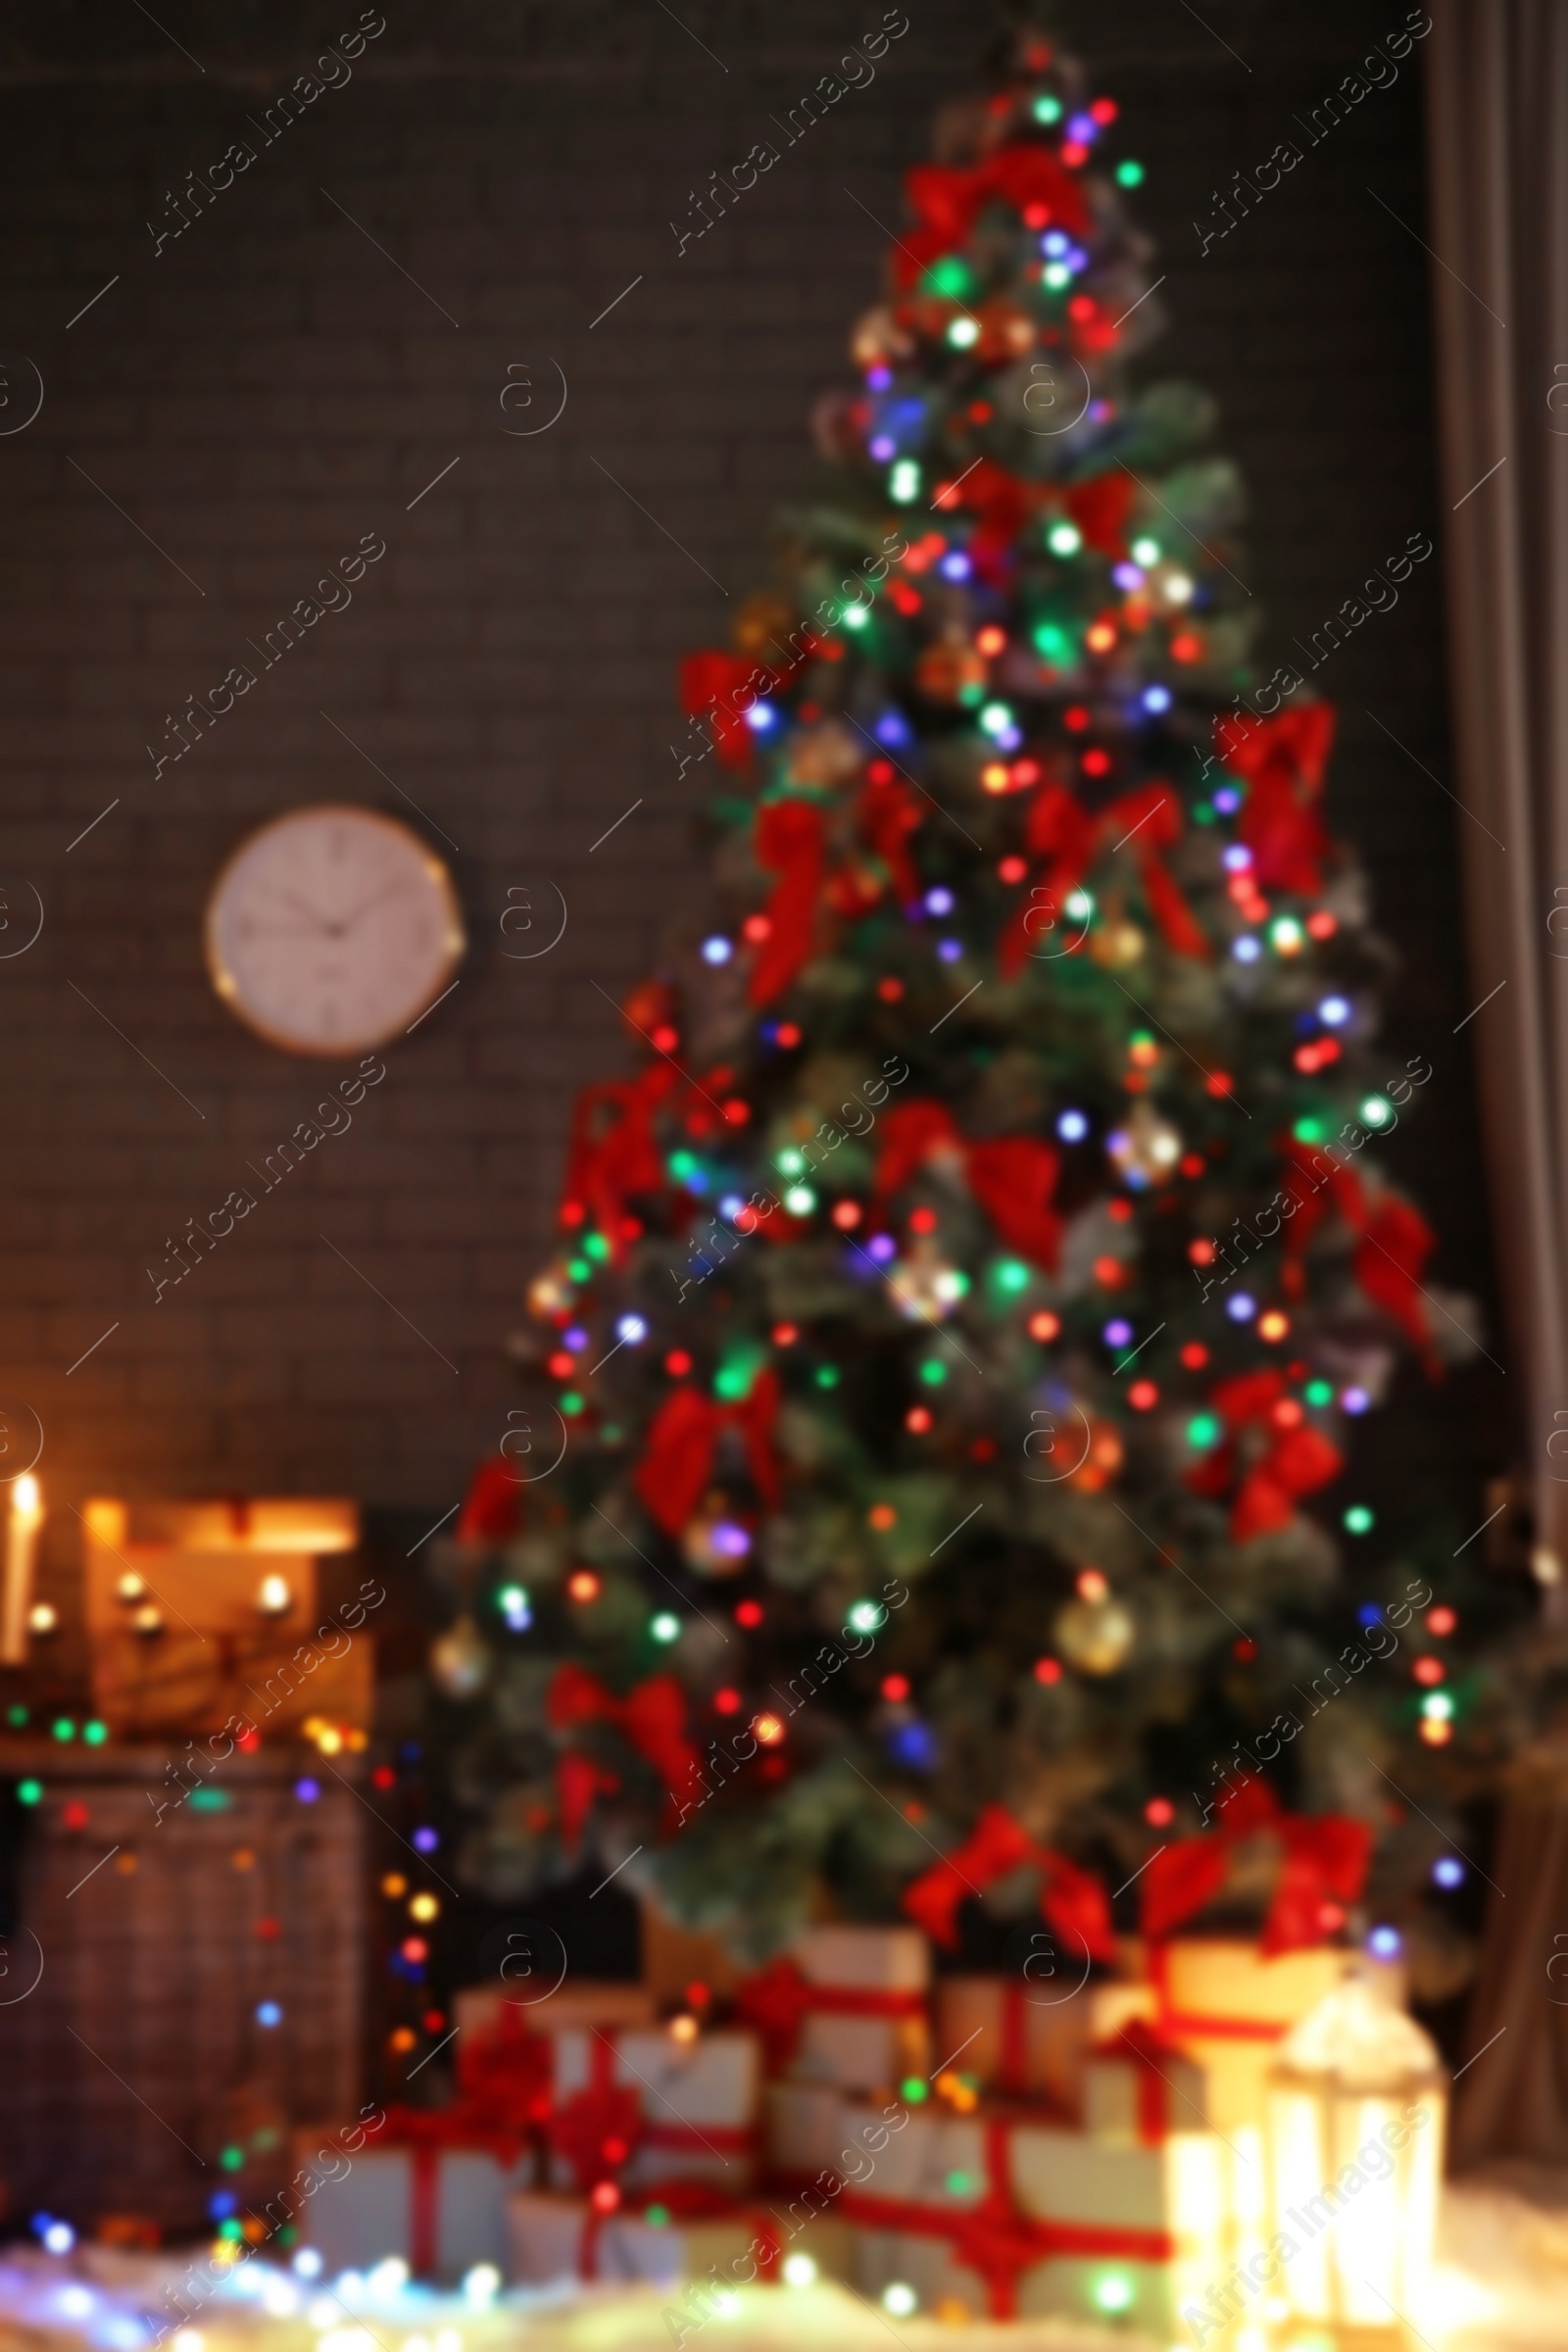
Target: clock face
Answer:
pixel 331 929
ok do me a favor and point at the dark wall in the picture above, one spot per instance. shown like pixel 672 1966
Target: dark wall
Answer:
pixel 270 385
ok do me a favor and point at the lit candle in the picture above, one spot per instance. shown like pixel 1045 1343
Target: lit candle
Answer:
pixel 22 1523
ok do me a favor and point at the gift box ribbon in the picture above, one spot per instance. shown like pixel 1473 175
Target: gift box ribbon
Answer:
pixel 683 2200
pixel 999 2241
pixel 777 2000
pixel 1003 2242
pixel 429 2134
pixel 1151 2058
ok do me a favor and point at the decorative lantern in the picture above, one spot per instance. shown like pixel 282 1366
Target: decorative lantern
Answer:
pixel 1356 2103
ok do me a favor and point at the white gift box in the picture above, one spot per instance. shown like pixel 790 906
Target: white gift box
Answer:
pixel 1132 2102
pixel 441 2210
pixel 1225 2004
pixel 937 2158
pixel 1020 2036
pixel 544 2239
pixel 853 2046
pixel 802 2127
pixel 480 2008
pixel 699 2099
pixel 1057 2287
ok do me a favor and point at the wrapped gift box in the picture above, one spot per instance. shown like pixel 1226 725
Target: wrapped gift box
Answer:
pixel 580 2001
pixel 698 2099
pixel 1016 2038
pixel 867 2024
pixel 545 2240
pixel 441 2209
pixel 1061 2226
pixel 937 2158
pixel 1228 2007
pixel 801 2129
pixel 1139 2088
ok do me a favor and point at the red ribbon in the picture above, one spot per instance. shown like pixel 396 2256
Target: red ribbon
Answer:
pixel 947 199
pixel 687 2201
pixel 492 1506
pixel 427 2132
pixel 652 1717
pixel 678 1458
pixel 887 814
pixel 1013 1178
pixel 1396 1241
pixel 1147 822
pixel 1003 503
pixel 997 2240
pixel 710 682
pixel 790 839
pixel 1151 2058
pixel 595 2131
pixel 611 1157
pixel 505 2074
pixel 1326 1858
pixel 1072 1899
pixel 775 2000
pixel 1283 760
pixel 1269 1466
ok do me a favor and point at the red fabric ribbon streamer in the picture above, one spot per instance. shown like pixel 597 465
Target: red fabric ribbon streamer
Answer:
pixel 1146 822
pixel 711 686
pixel 1396 1239
pixel 1270 1466
pixel 1326 1857
pixel 1283 760
pixel 1072 1899
pixel 493 1504
pixel 652 1717
pixel 887 812
pixel 678 1459
pixel 613 1152
pixel 790 839
pixel 1014 1177
pixel 1101 508
pixel 947 199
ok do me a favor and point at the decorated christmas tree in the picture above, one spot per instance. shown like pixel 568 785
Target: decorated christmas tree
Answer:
pixel 963 1310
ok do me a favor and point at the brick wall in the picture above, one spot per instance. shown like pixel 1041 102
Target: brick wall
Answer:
pixel 260 392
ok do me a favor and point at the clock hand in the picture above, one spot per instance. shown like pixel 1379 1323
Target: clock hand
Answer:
pixel 390 890
pixel 292 899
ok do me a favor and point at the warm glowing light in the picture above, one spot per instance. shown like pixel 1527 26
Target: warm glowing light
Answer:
pixel 768 1730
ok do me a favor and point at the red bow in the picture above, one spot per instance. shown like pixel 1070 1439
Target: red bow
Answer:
pixel 776 1999
pixel 947 199
pixel 492 1506
pixel 791 842
pixel 505 2074
pixel 1073 1900
pixel 652 1717
pixel 1101 508
pixel 1326 1858
pixel 608 1161
pixel 1003 502
pixel 678 1458
pixel 1283 760
pixel 887 814
pixel 1014 1177
pixel 1396 1239
pixel 708 685
pixel 595 2131
pixel 1274 1464
pixel 1060 829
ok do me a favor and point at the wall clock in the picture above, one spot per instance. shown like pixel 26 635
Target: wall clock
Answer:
pixel 331 929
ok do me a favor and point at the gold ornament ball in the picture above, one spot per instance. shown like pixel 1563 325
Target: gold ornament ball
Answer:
pixel 1115 945
pixel 460 1659
pixel 1095 1636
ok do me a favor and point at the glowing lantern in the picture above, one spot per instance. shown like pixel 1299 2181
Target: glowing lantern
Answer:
pixel 1357 2104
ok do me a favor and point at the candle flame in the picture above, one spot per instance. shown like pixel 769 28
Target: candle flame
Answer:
pixel 26 1497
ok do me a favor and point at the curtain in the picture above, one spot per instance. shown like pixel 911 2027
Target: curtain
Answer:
pixel 1498 157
